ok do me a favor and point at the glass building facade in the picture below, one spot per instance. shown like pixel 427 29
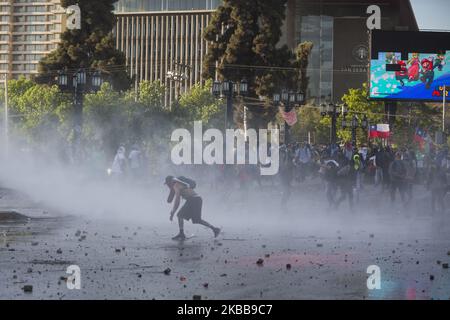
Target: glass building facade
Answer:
pixel 318 29
pixel 162 40
pixel 340 36
pixel 165 5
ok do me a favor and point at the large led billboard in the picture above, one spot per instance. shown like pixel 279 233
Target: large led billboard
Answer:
pixel 412 66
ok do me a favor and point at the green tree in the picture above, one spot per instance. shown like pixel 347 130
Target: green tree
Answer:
pixel 105 120
pixel 358 103
pixel 199 104
pixel 310 122
pixel 247 49
pixel 408 118
pixel 302 53
pixel 148 118
pixel 37 112
pixel 91 47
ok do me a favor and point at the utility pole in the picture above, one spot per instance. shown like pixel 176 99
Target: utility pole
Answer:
pixel 443 108
pixel 81 82
pixel 331 110
pixel 6 122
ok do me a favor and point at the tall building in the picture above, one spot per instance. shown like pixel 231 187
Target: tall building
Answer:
pixel 29 29
pixel 339 32
pixel 162 40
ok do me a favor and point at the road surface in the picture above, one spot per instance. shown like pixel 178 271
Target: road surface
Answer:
pixel 304 252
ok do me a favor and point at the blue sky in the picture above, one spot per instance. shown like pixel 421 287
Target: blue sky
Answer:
pixel 432 14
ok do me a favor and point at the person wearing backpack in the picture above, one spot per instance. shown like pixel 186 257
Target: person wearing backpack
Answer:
pixel 182 187
pixel 397 175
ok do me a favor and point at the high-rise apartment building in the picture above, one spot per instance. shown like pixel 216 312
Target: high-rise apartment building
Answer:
pixel 29 29
pixel 162 40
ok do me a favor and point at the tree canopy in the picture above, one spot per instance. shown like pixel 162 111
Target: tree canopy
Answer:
pixel 91 47
pixel 243 39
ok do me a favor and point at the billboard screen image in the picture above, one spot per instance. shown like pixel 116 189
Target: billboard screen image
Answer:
pixel 409 65
pixel 420 77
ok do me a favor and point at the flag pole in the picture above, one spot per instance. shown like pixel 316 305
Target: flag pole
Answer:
pixel 6 122
pixel 443 108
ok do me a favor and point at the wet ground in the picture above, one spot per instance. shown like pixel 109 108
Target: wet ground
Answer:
pixel 301 253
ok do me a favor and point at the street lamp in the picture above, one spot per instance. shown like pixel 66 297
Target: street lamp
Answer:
pixel 62 79
pixel 216 88
pixel 230 89
pixel 289 100
pixel 331 110
pixel 96 80
pixel 354 125
pixel 82 82
pixel 243 87
pixel 81 77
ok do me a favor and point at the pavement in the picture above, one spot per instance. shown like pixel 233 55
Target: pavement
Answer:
pixel 302 252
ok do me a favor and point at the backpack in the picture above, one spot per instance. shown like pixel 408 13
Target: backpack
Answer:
pixel 187 181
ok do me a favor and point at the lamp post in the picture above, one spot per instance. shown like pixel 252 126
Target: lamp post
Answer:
pixel 78 84
pixel 6 115
pixel 446 89
pixel 332 110
pixel 289 100
pixel 229 89
pixel 354 125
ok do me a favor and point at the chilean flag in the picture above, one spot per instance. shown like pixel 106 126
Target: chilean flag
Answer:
pixel 420 136
pixel 373 133
pixel 381 131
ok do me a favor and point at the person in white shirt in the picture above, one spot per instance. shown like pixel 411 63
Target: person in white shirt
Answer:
pixel 119 163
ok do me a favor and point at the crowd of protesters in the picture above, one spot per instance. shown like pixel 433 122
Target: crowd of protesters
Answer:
pixel 345 170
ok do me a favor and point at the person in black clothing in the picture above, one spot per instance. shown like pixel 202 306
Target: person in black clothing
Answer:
pixel 438 185
pixel 286 173
pixel 397 175
pixel 346 181
pixel 384 159
pixel 330 170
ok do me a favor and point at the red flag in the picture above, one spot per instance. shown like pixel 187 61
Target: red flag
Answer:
pixel 379 131
pixel 290 117
pixel 383 131
pixel 373 132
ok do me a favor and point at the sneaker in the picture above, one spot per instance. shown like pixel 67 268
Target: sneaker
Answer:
pixel 216 232
pixel 179 237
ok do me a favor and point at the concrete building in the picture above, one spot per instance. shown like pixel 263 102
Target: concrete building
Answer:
pixel 29 29
pixel 338 29
pixel 162 40
pixel 158 36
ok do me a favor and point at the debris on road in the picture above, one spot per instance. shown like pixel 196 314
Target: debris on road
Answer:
pixel 27 288
pixel 167 271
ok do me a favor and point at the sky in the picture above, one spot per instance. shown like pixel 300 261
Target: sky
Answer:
pixel 432 14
